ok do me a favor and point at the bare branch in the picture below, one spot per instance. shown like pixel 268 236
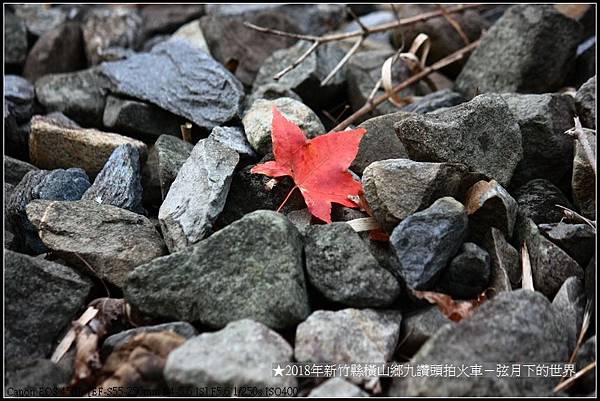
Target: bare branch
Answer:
pixel 454 24
pixel 527 277
pixel 277 32
pixel 343 61
pixel 569 382
pixel 295 63
pixel 574 216
pixel 358 21
pixel 579 132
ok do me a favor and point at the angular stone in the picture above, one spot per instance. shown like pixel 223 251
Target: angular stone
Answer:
pixel 513 55
pixel 57 51
pixel 583 182
pixel 257 275
pixel 197 195
pixel 269 91
pixel 380 142
pixel 337 387
pixel 577 240
pixel 569 304
pixel 483 134
pixel 165 18
pixel 59 118
pixel 15 34
pixel 181 79
pixel 419 326
pixel 241 354
pixel 514 327
pixel 425 241
pixel 235 139
pixel 396 188
pixel 112 241
pixel 468 274
pixel 119 181
pixel 165 158
pixel 547 151
pixel 434 101
pixel 340 265
pixel 490 205
pixel 42 298
pixel 19 96
pixel 259 118
pixel 538 199
pixel 192 32
pixel 15 170
pixel 35 378
pixel 585 100
pixel 40 18
pixel 55 146
pixel 505 261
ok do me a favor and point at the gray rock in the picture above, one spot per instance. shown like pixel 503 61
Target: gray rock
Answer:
pixel 39 18
pixel 513 55
pixel 337 387
pixel 117 341
pixel 380 142
pixel 165 159
pixel 15 170
pixel 514 327
pixel 505 262
pixel 538 199
pixel 585 100
pixel 468 274
pixel 490 205
pixel 259 118
pixel 577 240
pixel 550 265
pixel 108 30
pixel 348 335
pixel 42 298
pixel 110 240
pixel 425 241
pixel 192 32
pixel 569 304
pixel 241 354
pixel 586 355
pixel 583 182
pixel 270 91
pixel 19 95
pixel 340 265
pixel 36 378
pixel 434 101
pixel 138 119
pixel 79 95
pixel 165 18
pixel 197 195
pixel 119 181
pixel 15 34
pixel 396 188
pixel 55 185
pixel 483 134
pixel 419 326
pixel 57 51
pixel 235 139
pixel 58 118
pixel 257 274
pixel 372 19
pixel 181 79
pixel 301 219
pixel 547 151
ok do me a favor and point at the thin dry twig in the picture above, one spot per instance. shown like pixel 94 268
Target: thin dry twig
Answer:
pixel 571 380
pixel 69 338
pixel 578 132
pixel 585 324
pixel 343 61
pixel 454 24
pixel 527 278
pixel 186 132
pixel 574 216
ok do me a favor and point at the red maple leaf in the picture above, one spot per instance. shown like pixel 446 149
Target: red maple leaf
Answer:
pixel 318 166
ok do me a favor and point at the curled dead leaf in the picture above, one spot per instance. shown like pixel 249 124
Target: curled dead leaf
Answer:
pixel 453 310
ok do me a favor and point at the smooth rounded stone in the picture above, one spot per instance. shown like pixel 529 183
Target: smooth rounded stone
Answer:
pixel 483 134
pixel 117 341
pixel 348 336
pixel 398 187
pixel 258 274
pixel 340 265
pixel 119 182
pixel 538 199
pixel 380 142
pixel 165 158
pixel 514 327
pixel 235 139
pixel 40 18
pixel 192 32
pixel 585 356
pixel 419 326
pixel 434 101
pixel 110 240
pixel 198 194
pixel 15 34
pixel 53 145
pixel 166 18
pixel 569 305
pixel 259 118
pixel 490 205
pixel 181 79
pixel 550 265
pixel 547 151
pixel 139 120
pixel 55 185
pixel 468 274
pixel 35 378
pixel 15 170
pixel 585 101
pixel 583 182
pixel 79 95
pixel 337 387
pixel 301 219
pixel 42 298
pixel 505 262
pixel 57 51
pixel 425 241
pixel 513 55
pixel 240 355
pixel 106 28
pixel 577 240
pixel 305 79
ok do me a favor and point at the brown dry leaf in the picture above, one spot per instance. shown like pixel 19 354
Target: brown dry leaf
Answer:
pixel 453 310
pixel 574 11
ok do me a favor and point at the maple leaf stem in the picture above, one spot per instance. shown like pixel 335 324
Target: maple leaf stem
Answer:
pixel 286 198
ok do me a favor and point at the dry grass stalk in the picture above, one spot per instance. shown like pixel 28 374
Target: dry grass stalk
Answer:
pixel 527 278
pixel 571 380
